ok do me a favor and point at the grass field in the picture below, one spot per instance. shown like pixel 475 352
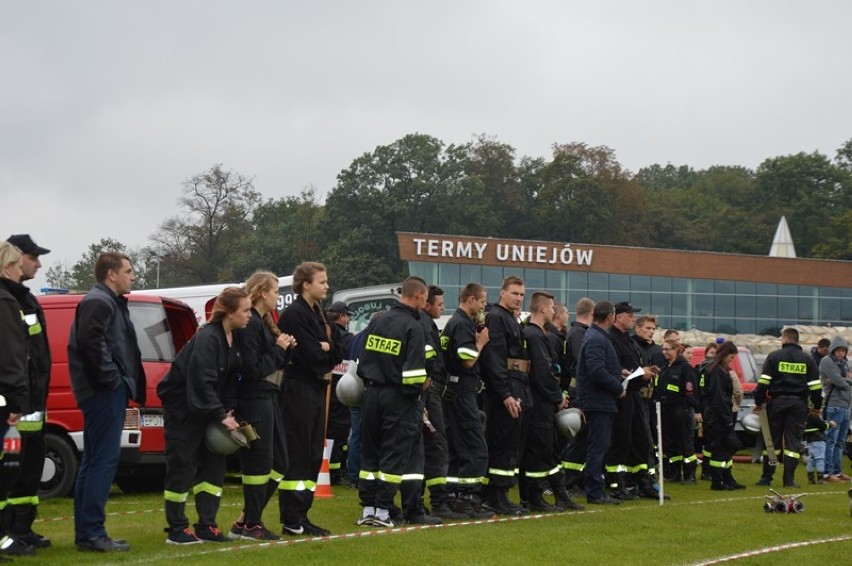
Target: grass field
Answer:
pixel 698 525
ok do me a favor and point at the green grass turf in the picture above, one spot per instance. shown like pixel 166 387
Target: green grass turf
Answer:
pixel 697 525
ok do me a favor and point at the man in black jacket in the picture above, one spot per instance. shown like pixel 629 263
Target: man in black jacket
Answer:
pixel 338 414
pixel 106 370
pixel 574 453
pixel 23 496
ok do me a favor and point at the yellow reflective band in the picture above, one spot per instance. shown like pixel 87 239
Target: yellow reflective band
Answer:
pixel 175 497
pixel 35 329
pixel 445 341
pixel 207 487
pixel 579 467
pixel 470 481
pixel 499 472
pixel 634 469
pixel 814 385
pixel 275 476
pixel 414 380
pixel 334 465
pixel 720 464
pixel 792 454
pixel 430 353
pixel 690 459
pixel 413 477
pixel 793 367
pixel 706 453
pixel 255 480
pixel 30 426
pixel 389 478
pixel 382 345
pixel 765 379
pixel 365 475
pixel 297 485
pixel 436 481
pixel 28 500
pixel 467 353
pixel 673 387
pixel 676 459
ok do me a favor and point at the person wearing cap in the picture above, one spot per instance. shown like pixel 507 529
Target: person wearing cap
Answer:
pixel 13 374
pixel 339 417
pixel 627 461
pixel 23 498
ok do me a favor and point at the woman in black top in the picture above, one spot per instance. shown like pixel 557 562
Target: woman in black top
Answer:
pixel 304 392
pixel 197 391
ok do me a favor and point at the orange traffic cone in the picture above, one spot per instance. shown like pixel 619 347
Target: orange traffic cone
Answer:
pixel 324 478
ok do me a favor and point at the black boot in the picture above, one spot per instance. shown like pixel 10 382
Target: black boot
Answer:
pixel 718 481
pixel 728 479
pixel 537 504
pixel 497 499
pixel 790 465
pixel 471 507
pixel 21 525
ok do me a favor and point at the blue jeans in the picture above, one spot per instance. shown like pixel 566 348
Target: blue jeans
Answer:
pixel 353 461
pixel 103 421
pixel 836 439
pixel 599 430
pixel 816 457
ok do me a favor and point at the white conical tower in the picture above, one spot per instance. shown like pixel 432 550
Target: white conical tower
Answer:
pixel 782 243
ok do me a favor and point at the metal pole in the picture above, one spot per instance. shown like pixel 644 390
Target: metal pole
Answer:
pixel 660 452
pixel 158 270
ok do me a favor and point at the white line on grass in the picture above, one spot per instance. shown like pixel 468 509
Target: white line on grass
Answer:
pixel 771 549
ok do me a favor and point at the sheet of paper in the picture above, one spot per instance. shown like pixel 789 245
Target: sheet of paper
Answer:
pixel 638 372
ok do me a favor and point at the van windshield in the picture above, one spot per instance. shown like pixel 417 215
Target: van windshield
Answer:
pixel 152 332
pixel 749 366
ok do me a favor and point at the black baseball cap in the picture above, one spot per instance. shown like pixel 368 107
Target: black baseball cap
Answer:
pixel 624 306
pixel 25 243
pixel 341 308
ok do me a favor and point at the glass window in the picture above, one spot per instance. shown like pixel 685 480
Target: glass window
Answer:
pixel 745 305
pixel 491 276
pixel 662 284
pixel 703 305
pixel 573 297
pixel 578 280
pixel 681 285
pixel 724 306
pixel 678 323
pixel 788 290
pixel 829 309
pixel 533 281
pixel 745 326
pixel 745 287
pixel 598 282
pixel 788 308
pixel 640 283
pixel 846 310
pixel 830 292
pixel 679 304
pixel 766 289
pixel 703 286
pixel 556 280
pixel 766 307
pixel 808 309
pixel 619 282
pixel 152 332
pixel 426 271
pixel 638 300
pixel 661 304
pixel 768 326
pixel 448 275
pixel 725 325
pixel 469 273
pixel 724 287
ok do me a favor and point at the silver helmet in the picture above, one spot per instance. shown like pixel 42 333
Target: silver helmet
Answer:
pixel 569 422
pixel 219 440
pixel 751 423
pixel 350 387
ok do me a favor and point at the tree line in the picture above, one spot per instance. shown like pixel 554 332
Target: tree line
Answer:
pixel 225 229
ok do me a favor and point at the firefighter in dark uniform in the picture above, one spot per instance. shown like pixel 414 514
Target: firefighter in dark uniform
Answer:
pixel 265 353
pixel 505 370
pixel 304 392
pixel 393 367
pixel 461 345
pixel 436 450
pixel 23 499
pixel 539 462
pixel 627 461
pixel 339 418
pixel 677 392
pixel 789 377
pixel 197 390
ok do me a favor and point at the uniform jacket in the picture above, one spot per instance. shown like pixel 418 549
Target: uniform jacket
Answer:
pixel 102 347
pixel 543 381
pixel 678 384
pixel 458 345
pixel 559 342
pixel 573 342
pixel 630 356
pixel 38 349
pixel 13 351
pixel 434 359
pixel 308 362
pixel 203 376
pixel 652 353
pixel 395 350
pixel 504 341
pixel 790 372
pixel 815 429
pixel 261 356
pixel 834 372
pixel 716 394
pixel 598 372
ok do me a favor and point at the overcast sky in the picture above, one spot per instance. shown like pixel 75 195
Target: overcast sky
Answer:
pixel 106 107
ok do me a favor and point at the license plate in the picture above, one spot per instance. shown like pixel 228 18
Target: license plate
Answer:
pixel 152 420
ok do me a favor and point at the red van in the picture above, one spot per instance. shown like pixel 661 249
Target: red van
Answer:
pixel 163 326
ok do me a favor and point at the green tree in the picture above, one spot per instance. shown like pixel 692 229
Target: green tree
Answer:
pixel 83 271
pixel 199 245
pixel 59 276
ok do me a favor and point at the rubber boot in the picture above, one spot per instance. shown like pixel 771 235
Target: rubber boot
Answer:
pixel 689 474
pixel 718 482
pixel 790 465
pixel 560 493
pixel 537 504
pixel 728 479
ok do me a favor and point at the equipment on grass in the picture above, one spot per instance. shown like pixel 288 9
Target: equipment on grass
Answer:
pixel 778 503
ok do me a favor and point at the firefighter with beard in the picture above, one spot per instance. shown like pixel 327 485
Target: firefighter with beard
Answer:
pixel 505 370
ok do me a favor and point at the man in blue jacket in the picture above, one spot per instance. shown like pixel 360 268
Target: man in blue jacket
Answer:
pixel 598 388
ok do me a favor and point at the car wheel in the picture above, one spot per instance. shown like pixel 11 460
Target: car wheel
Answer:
pixel 61 463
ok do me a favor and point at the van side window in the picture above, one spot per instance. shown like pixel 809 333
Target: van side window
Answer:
pixel 152 332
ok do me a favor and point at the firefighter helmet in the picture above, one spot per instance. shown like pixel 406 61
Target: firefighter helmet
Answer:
pixel 222 441
pixel 350 388
pixel 751 423
pixel 569 422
